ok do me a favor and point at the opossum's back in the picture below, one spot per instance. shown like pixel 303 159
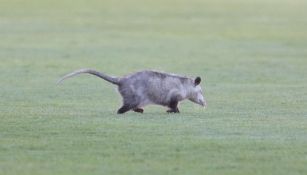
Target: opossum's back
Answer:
pixel 151 83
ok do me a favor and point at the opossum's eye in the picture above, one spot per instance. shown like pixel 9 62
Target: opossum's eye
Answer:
pixel 197 81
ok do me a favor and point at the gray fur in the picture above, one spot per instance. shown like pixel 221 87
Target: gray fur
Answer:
pixel 151 87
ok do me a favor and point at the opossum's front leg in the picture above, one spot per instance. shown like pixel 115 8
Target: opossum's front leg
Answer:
pixel 139 110
pixel 173 105
pixel 173 110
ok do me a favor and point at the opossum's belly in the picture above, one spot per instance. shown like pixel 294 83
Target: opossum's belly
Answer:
pixel 157 98
pixel 145 102
pixel 149 102
pixel 146 99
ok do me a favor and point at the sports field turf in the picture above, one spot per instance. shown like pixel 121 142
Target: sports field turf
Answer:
pixel 251 55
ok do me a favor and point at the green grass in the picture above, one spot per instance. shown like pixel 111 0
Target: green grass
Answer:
pixel 252 56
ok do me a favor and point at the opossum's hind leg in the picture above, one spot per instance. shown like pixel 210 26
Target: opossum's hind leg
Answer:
pixel 130 102
pixel 173 105
pixel 139 110
pixel 125 108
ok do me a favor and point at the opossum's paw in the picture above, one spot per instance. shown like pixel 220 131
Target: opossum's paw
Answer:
pixel 139 110
pixel 176 110
pixel 123 109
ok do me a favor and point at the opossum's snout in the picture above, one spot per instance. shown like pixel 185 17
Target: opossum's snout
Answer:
pixel 201 101
pixel 204 103
pixel 198 98
pixel 197 95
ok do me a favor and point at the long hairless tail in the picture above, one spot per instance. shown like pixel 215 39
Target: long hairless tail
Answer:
pixel 108 78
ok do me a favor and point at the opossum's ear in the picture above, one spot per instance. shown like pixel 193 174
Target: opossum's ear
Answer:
pixel 197 81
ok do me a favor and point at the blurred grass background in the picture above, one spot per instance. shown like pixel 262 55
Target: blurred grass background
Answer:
pixel 250 54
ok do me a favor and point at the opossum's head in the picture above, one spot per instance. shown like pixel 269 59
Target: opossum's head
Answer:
pixel 196 93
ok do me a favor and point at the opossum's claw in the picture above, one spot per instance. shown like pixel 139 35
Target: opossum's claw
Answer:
pixel 139 110
pixel 175 110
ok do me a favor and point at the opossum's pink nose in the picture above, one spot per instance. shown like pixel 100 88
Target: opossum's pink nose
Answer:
pixel 204 104
pixel 202 101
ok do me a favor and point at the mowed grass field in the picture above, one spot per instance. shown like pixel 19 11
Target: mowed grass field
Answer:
pixel 251 55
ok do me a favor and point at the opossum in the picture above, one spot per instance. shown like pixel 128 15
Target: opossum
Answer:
pixel 151 87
